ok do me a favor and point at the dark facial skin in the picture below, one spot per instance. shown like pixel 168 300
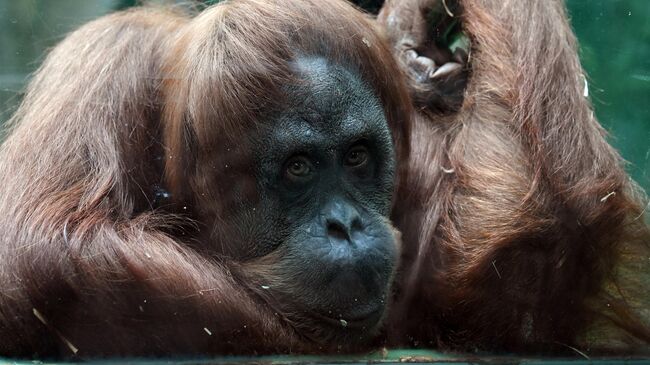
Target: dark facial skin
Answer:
pixel 325 167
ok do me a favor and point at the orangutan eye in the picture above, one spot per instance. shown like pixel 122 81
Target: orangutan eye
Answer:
pixel 299 167
pixel 357 156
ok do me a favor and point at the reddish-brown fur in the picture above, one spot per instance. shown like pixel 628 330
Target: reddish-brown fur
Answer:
pixel 521 229
pixel 512 239
pixel 149 98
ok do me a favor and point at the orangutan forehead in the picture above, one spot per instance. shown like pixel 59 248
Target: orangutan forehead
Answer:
pixel 327 93
pixel 328 106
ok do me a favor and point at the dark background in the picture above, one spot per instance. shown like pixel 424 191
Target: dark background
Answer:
pixel 614 40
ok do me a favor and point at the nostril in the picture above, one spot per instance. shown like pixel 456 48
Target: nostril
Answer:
pixel 337 231
pixel 356 225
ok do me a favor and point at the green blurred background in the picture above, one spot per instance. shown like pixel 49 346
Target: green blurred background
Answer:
pixel 614 40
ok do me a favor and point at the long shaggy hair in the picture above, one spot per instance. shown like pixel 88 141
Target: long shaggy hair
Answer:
pixel 521 229
pixel 114 159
